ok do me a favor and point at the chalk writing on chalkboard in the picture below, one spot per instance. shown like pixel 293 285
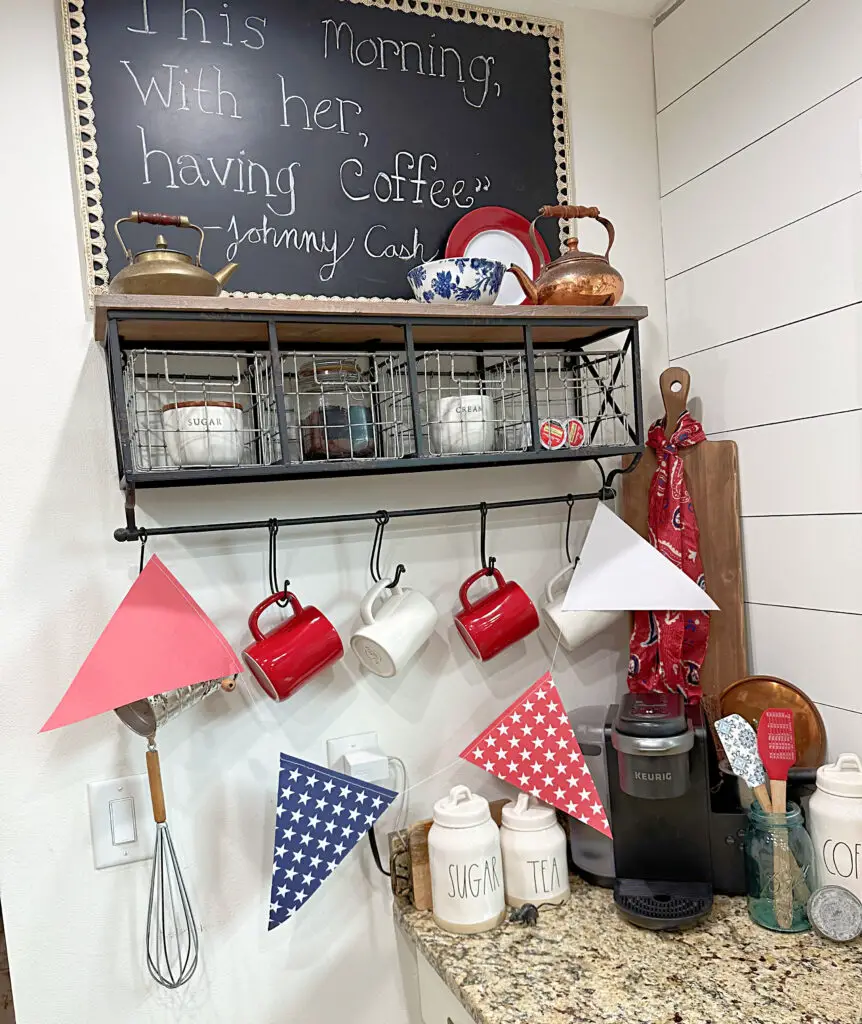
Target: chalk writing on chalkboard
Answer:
pixel 327 147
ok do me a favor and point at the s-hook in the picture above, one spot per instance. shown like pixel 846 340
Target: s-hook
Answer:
pixel 273 566
pixel 570 501
pixel 487 563
pixel 381 519
pixel 142 535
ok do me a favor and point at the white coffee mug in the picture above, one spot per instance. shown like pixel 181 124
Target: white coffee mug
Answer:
pixel 462 425
pixel 203 433
pixel 390 637
pixel 572 628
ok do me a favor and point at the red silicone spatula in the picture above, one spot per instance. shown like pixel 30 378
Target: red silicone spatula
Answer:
pixel 776 744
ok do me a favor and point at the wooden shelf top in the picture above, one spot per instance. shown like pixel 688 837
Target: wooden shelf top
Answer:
pixel 365 313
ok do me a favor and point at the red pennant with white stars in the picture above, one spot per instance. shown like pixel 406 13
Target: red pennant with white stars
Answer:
pixel 532 745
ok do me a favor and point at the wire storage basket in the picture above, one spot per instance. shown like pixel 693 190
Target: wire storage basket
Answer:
pixel 584 399
pixel 201 409
pixel 346 406
pixel 473 402
pixel 230 396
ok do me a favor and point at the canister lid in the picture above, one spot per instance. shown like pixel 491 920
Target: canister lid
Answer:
pixel 843 778
pixel 461 809
pixel 527 814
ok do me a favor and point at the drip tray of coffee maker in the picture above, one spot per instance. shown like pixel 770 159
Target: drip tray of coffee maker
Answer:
pixel 662 906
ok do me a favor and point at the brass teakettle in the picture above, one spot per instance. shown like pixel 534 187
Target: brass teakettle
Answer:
pixel 576 278
pixel 164 271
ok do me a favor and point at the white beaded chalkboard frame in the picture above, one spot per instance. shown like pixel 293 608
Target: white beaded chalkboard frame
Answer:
pixel 85 146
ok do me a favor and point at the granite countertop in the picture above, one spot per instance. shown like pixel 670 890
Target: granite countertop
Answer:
pixel 582 964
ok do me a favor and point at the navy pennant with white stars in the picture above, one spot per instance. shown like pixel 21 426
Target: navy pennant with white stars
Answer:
pixel 321 815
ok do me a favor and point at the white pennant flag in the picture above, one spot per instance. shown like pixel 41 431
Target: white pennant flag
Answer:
pixel 620 571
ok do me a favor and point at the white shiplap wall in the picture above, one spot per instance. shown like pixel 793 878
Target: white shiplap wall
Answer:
pixel 760 149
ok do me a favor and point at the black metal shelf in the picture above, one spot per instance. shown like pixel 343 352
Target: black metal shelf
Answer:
pixel 262 333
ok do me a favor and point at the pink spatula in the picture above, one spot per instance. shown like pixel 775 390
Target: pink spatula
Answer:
pixel 776 744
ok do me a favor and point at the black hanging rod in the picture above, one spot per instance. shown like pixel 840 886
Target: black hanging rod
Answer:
pixel 131 531
pixel 136 533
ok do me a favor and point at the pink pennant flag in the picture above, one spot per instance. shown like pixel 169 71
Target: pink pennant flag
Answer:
pixel 532 745
pixel 158 639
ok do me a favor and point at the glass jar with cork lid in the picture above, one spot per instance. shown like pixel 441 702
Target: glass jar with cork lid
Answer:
pixel 336 410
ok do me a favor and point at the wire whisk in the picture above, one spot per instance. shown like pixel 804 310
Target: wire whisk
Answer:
pixel 172 932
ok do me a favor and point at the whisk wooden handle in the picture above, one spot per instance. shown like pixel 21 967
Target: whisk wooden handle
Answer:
pixel 157 794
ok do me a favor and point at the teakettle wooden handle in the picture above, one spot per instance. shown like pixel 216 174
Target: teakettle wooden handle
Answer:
pixel 166 220
pixel 575 212
pixel 674 383
pixel 569 211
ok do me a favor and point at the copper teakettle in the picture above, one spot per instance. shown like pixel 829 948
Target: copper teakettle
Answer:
pixel 576 278
pixel 164 271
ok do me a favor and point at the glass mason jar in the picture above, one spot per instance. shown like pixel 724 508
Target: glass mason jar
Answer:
pixel 778 869
pixel 335 410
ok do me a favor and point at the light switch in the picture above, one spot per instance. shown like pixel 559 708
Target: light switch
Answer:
pixel 122 813
pixel 121 821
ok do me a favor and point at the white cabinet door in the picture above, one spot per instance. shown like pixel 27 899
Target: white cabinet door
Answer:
pixel 439 1003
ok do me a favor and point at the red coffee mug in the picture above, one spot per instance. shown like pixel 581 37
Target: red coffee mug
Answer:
pixel 303 645
pixel 498 619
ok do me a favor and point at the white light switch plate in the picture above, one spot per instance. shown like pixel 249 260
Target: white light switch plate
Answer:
pixel 337 748
pixel 121 821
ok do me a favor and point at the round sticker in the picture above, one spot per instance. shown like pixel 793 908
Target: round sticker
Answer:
pixel 552 434
pixel 575 433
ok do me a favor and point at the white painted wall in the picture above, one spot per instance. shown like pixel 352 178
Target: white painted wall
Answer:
pixel 760 107
pixel 75 936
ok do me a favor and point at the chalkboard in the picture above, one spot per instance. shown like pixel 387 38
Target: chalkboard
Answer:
pixel 327 146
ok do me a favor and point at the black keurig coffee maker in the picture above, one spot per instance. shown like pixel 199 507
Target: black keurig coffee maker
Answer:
pixel 677 819
pixel 658 782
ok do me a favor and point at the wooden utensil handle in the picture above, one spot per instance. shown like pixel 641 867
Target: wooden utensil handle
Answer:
pixel 781 858
pixel 157 793
pixel 762 794
pixel 675 383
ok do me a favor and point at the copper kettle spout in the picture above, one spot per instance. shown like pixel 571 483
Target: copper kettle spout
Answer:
pixel 223 275
pixel 525 282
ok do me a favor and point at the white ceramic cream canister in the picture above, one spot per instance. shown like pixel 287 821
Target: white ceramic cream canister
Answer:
pixel 535 869
pixel 466 864
pixel 835 824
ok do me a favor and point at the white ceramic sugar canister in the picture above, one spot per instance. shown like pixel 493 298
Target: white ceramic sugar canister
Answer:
pixel 835 824
pixel 535 869
pixel 466 864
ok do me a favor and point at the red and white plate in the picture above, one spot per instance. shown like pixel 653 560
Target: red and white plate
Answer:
pixel 495 233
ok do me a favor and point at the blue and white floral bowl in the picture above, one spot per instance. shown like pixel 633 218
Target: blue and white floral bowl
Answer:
pixel 458 279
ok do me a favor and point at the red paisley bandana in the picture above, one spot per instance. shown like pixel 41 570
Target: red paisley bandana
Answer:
pixel 668 647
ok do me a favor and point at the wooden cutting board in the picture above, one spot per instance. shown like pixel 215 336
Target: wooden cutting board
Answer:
pixel 712 474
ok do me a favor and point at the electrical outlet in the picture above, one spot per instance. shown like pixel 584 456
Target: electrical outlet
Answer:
pixel 337 748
